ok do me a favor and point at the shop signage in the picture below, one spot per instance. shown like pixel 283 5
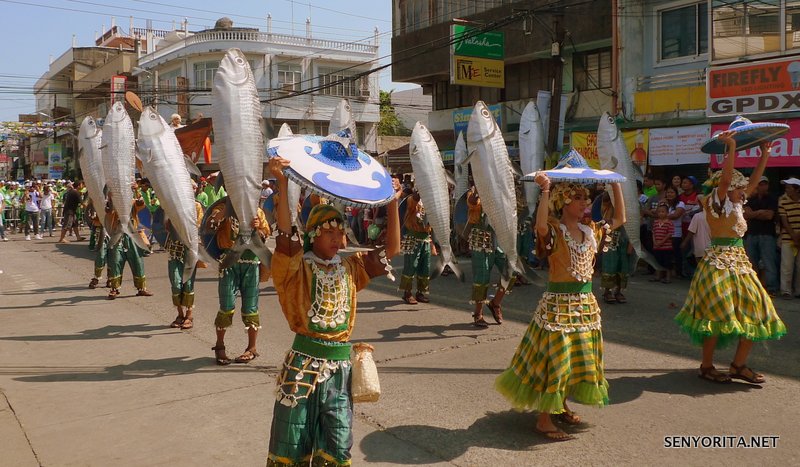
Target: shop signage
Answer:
pixel 678 145
pixel 461 118
pixel 785 150
pixel 55 161
pixel 477 59
pixel 765 86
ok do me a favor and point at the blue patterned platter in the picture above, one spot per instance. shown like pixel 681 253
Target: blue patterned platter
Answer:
pixel 578 175
pixel 746 135
pixel 334 167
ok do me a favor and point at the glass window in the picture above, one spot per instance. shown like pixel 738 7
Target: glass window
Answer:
pixel 592 70
pixel 745 27
pixel 289 77
pixel 204 73
pixel 792 24
pixel 683 32
pixel 168 85
pixel 321 128
pixel 340 83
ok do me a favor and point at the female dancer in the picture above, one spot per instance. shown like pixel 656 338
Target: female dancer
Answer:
pixel 561 353
pixel 726 301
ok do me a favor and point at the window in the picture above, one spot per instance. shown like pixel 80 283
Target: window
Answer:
pixel 321 128
pixel 289 77
pixel 204 73
pixel 792 24
pixel 168 85
pixel 747 27
pixel 340 83
pixel 592 70
pixel 683 32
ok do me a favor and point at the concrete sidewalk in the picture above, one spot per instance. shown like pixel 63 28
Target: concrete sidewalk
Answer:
pixel 86 381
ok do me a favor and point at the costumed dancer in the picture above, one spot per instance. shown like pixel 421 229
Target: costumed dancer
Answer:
pixel 101 249
pixel 313 415
pixel 182 292
pixel 726 301
pixel 614 262
pixel 485 255
pixel 241 278
pixel 417 248
pixel 561 353
pixel 125 251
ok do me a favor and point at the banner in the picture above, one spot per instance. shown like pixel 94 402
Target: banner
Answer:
pixel 678 145
pixel 470 71
pixel 766 86
pixel 477 60
pixel 461 119
pixel 55 161
pixel 635 141
pixel 785 150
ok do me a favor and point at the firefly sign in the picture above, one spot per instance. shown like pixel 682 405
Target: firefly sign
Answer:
pixel 770 86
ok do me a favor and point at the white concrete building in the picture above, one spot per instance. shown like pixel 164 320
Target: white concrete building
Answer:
pixel 177 71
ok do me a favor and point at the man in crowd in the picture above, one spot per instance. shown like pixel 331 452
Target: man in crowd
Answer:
pixel 72 199
pixel 789 212
pixel 760 241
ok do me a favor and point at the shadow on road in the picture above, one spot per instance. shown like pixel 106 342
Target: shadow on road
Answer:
pixel 142 331
pixel 45 290
pixel 139 369
pixel 511 431
pixel 685 382
pixel 410 332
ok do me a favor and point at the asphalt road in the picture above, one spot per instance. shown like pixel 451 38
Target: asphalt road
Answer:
pixel 86 381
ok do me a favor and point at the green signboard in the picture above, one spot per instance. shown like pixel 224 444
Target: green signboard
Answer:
pixel 483 45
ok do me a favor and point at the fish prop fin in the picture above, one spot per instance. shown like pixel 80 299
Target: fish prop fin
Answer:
pixel 218 182
pixel 351 236
pixel 453 265
pixel 470 154
pixel 80 153
pixel 130 231
pixel 637 172
pixel 261 250
pixel 144 155
pixel 614 163
pixel 516 170
pixel 189 266
pixel 204 256
pixel 648 257
pixel 449 177
pixel 191 167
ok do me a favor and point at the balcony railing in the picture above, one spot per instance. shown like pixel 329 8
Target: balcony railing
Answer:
pixel 263 37
pixel 671 80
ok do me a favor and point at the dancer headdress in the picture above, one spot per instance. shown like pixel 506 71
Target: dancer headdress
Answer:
pixel 322 216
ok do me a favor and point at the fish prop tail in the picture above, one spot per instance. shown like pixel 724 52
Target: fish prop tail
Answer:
pixel 131 231
pixel 648 258
pixel 254 244
pixel 452 264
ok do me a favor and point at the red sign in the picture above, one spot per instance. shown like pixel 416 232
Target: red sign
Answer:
pixel 766 86
pixel 785 150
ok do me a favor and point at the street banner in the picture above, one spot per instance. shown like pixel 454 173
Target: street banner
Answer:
pixel 586 144
pixel 678 145
pixel 55 161
pixel 785 150
pixel 767 86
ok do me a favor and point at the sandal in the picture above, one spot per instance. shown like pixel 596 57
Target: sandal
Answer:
pixel 421 298
pixel 247 356
pixel 554 435
pixel 608 297
pixel 112 294
pixel 746 373
pixel 479 321
pixel 408 298
pixel 220 355
pixel 713 375
pixel 497 312
pixel 93 283
pixel 570 418
pixel 620 298
pixel 177 323
pixel 188 323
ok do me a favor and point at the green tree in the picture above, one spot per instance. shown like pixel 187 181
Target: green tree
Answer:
pixel 390 124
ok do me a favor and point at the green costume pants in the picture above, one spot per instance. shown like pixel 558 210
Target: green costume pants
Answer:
pixel 100 257
pixel 319 428
pixel 417 264
pixel 126 251
pixel 615 266
pixel 241 279
pixel 482 264
pixel 182 292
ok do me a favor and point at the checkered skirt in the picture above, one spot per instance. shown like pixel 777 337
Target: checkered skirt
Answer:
pixel 728 302
pixel 551 366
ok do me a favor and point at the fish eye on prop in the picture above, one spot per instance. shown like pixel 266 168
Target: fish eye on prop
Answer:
pixel 347 107
pixel 153 116
pixel 240 60
pixel 610 119
pixel 485 113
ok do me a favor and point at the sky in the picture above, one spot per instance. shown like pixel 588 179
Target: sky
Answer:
pixel 35 30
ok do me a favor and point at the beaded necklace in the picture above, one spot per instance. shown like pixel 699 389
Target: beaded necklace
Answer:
pixel 581 254
pixel 330 305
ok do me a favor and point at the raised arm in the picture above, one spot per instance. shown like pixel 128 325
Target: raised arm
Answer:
pixel 393 221
pixel 725 179
pixel 284 220
pixel 755 177
pixel 543 210
pixel 619 212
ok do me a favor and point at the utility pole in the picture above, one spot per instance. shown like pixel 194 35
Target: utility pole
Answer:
pixel 558 74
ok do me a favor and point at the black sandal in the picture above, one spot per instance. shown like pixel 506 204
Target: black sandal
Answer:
pixel 741 373
pixel 713 375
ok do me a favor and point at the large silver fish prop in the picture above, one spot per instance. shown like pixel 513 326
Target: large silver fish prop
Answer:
pixel 613 155
pixel 494 180
pixel 532 151
pixel 342 118
pixel 239 148
pixel 162 157
pixel 293 190
pixel 430 180
pixel 461 168
pixel 91 161
pixel 119 166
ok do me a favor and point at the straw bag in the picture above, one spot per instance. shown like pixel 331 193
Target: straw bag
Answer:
pixel 365 386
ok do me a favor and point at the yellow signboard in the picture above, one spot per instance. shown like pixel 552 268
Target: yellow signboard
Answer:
pixel 471 71
pixel 635 142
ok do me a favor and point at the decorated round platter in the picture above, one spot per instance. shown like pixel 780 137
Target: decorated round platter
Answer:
pixel 333 167
pixel 746 136
pixel 208 236
pixel 578 175
pixel 145 218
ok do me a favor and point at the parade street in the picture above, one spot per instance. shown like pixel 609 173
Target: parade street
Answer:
pixel 91 382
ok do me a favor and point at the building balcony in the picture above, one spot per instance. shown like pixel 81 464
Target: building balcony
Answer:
pixel 101 77
pixel 670 93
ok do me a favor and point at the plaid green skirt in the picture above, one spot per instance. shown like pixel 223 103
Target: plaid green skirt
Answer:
pixel 551 366
pixel 727 300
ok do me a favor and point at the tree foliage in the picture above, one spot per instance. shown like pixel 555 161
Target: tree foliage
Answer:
pixel 390 124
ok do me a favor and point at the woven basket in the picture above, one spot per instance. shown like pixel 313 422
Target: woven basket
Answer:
pixel 365 386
